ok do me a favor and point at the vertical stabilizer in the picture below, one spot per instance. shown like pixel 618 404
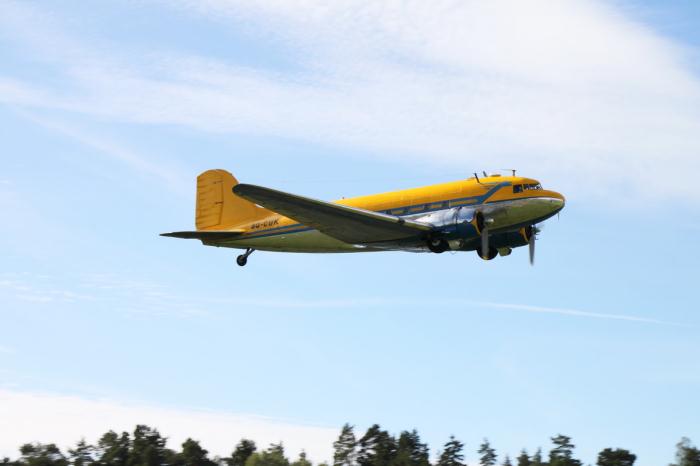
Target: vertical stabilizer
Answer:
pixel 217 207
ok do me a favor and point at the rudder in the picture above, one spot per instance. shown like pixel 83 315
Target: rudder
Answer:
pixel 217 207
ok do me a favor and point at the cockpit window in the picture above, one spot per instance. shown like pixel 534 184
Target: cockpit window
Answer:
pixel 518 188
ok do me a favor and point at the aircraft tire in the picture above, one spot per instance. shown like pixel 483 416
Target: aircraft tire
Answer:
pixel 493 252
pixel 438 246
pixel 241 260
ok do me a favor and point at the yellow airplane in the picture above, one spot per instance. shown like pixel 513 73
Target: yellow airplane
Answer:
pixel 490 215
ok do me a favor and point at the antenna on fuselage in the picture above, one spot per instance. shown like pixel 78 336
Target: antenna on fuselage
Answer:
pixel 477 178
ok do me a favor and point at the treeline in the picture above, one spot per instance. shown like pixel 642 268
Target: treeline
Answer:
pixel 146 447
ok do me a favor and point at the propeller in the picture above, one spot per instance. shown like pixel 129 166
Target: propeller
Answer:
pixel 531 243
pixel 485 241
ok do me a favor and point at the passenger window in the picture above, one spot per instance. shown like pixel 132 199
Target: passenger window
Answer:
pixel 517 188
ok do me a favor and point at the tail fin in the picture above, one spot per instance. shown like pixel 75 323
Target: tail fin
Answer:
pixel 217 207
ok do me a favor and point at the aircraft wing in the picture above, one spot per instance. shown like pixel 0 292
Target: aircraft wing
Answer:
pixel 348 224
pixel 204 235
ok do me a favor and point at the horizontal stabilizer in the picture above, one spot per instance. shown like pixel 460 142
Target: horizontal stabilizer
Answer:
pixel 348 224
pixel 204 235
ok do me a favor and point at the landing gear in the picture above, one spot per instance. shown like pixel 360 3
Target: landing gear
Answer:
pixel 438 245
pixel 491 253
pixel 243 258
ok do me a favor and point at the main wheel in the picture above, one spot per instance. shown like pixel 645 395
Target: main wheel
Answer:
pixel 493 252
pixel 437 245
pixel 241 260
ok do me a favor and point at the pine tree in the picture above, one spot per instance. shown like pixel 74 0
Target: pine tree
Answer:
pixel 616 457
pixel 114 449
pixel 39 454
pixel 148 448
pixel 193 454
pixel 345 447
pixel 686 453
pixel 563 452
pixel 243 450
pixel 524 459
pixel 488 454
pixel 452 454
pixel 302 461
pixel 410 451
pixel 537 458
pixel 507 462
pixel 377 448
pixel 82 455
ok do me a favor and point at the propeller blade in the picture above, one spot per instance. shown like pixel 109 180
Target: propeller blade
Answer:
pixel 531 247
pixel 485 242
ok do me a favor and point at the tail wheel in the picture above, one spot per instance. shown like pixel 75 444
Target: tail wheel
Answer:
pixel 437 245
pixel 491 253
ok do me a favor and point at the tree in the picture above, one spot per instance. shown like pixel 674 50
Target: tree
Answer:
pixel 616 457
pixel 193 454
pixel 344 448
pixel 524 459
pixel 273 456
pixel 148 448
pixel 686 453
pixel 507 462
pixel 410 451
pixel 82 455
pixel 377 448
pixel 243 450
pixel 563 452
pixel 452 454
pixel 488 455
pixel 39 454
pixel 537 458
pixel 302 461
pixel 114 449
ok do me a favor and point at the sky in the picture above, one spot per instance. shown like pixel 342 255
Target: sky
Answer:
pixel 108 114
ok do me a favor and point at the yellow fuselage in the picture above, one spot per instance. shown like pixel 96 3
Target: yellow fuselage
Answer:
pixel 499 196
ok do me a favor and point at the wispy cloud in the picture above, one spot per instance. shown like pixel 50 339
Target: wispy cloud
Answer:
pixel 552 88
pixel 571 312
pixel 64 420
pixel 153 299
pixel 176 180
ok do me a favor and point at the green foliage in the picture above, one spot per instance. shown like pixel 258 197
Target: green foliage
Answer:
pixel 686 454
pixel 507 462
pixel 452 454
pixel 563 452
pixel 616 457
pixel 192 454
pixel 82 455
pixel 487 454
pixel 537 458
pixel 114 448
pixel 344 449
pixel 302 461
pixel 39 454
pixel 148 448
pixel 377 448
pixel 273 456
pixel 240 455
pixel 523 459
pixel 410 451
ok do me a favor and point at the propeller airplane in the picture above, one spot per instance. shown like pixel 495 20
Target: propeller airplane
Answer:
pixel 490 215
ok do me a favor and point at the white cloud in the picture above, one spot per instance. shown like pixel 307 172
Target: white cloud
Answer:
pixel 563 90
pixel 41 417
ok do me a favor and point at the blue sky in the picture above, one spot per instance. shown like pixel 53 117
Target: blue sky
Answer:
pixel 108 115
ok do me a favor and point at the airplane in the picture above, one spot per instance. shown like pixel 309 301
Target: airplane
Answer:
pixel 491 215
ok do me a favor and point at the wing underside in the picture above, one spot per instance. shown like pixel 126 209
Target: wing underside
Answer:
pixel 348 224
